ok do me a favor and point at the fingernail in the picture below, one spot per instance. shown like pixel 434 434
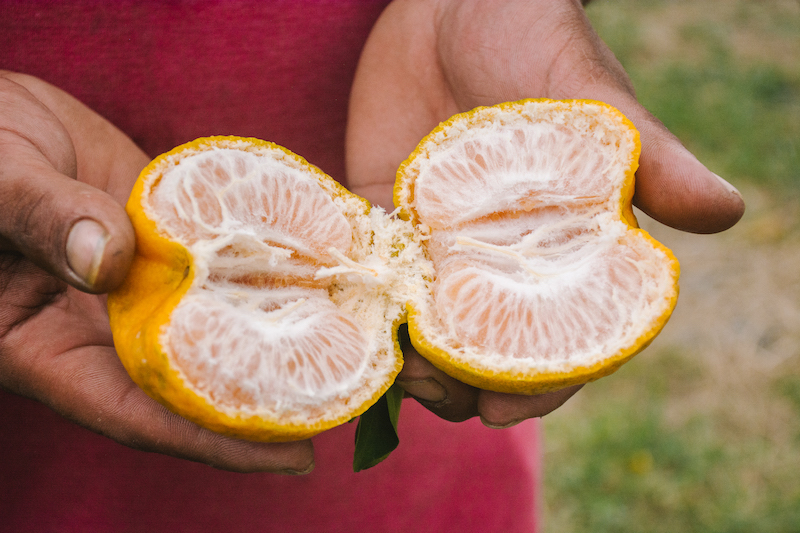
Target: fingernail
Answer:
pixel 424 389
pixel 500 426
pixel 292 472
pixel 86 245
pixel 728 187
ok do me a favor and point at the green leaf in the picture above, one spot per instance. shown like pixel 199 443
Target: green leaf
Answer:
pixel 376 434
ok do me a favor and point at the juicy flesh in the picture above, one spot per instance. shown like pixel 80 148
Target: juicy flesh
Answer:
pixel 532 258
pixel 257 330
pixel 512 169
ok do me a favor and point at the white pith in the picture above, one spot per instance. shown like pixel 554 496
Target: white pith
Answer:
pixel 536 270
pixel 273 299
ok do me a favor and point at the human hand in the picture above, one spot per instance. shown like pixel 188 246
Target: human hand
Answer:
pixel 428 60
pixel 64 174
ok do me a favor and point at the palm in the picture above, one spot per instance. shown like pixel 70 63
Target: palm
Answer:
pixel 77 348
pixel 411 77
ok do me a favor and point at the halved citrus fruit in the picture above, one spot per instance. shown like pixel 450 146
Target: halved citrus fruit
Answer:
pixel 246 308
pixel 543 279
pixel 264 298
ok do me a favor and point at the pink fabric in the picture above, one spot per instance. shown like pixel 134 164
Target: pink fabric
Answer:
pixel 55 476
pixel 166 73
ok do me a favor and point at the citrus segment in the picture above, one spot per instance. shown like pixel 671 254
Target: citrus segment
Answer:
pixel 574 311
pixel 225 192
pixel 542 278
pixel 297 352
pixel 496 160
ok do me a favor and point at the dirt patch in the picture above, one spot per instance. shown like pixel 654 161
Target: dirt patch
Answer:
pixel 738 315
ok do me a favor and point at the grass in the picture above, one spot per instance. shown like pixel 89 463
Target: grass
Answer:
pixel 617 462
pixel 701 432
pixel 724 76
pixel 743 122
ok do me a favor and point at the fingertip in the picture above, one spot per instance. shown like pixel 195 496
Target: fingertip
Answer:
pixel 302 460
pixel 97 257
pixel 501 425
pixel 294 458
pixel 427 389
pixel 289 458
pixel 731 196
pixel 86 244
pixel 499 410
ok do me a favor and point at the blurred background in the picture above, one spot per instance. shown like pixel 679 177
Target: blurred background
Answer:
pixel 701 431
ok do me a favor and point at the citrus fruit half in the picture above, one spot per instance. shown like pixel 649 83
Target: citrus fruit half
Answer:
pixel 543 279
pixel 264 298
pixel 247 309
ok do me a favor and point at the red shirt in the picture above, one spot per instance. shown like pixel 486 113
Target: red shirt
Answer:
pixel 166 73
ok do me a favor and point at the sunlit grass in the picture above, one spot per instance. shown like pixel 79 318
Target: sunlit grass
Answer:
pixel 616 462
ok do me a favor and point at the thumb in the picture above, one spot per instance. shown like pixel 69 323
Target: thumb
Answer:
pixel 76 232
pixel 672 185
pixel 72 230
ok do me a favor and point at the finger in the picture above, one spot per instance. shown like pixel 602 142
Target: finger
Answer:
pixel 672 185
pixel 499 410
pixel 89 386
pixel 73 230
pixel 441 394
pixel 139 422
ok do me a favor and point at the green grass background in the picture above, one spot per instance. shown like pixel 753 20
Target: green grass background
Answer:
pixel 683 438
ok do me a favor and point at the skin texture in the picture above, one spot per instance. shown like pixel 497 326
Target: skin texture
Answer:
pixel 425 61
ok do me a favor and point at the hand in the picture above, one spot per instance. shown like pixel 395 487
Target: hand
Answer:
pixel 427 60
pixel 64 173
